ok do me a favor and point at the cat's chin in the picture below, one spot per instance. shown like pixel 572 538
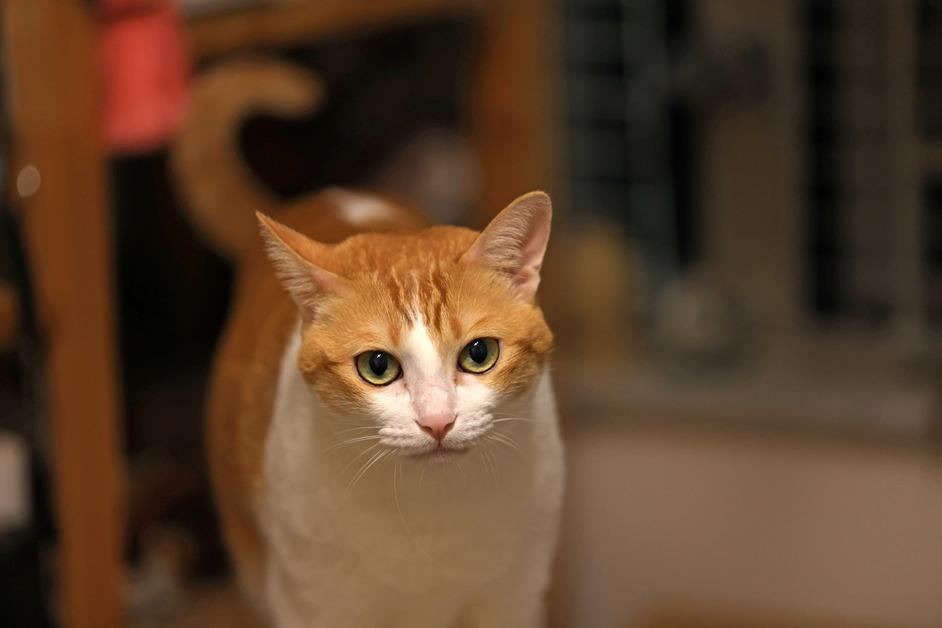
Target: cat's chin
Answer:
pixel 438 454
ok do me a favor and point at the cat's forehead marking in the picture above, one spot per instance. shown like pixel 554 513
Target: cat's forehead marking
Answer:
pixel 421 349
pixel 421 295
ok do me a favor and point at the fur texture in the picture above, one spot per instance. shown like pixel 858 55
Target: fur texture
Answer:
pixel 340 509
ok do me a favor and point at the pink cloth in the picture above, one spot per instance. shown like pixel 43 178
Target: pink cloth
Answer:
pixel 145 66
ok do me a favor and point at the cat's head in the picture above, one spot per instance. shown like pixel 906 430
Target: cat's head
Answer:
pixel 419 338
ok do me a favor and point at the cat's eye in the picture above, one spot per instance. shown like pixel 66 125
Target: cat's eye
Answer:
pixel 479 355
pixel 378 367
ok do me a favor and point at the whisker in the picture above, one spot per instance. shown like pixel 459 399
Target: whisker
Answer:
pixel 410 533
pixel 351 441
pixel 360 455
pixel 422 476
pixel 506 440
pixel 365 468
pixel 512 418
pixel 396 481
pixel 486 463
pixel 356 429
pixel 492 460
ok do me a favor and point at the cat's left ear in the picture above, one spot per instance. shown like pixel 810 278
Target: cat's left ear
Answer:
pixel 514 243
pixel 297 260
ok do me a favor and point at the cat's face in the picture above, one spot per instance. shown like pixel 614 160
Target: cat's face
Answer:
pixel 420 339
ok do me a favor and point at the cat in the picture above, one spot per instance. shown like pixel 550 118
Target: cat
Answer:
pixel 382 435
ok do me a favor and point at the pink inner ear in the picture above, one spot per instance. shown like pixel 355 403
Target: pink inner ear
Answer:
pixel 515 241
pixel 527 279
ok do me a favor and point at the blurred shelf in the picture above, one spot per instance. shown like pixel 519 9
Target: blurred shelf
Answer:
pixel 828 386
pixel 218 32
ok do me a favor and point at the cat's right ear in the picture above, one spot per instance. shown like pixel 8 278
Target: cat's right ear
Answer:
pixel 296 258
pixel 514 242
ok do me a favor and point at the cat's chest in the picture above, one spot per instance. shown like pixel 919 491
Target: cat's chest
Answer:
pixel 406 521
pixel 398 520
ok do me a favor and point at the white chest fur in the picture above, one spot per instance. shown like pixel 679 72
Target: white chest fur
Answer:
pixel 408 542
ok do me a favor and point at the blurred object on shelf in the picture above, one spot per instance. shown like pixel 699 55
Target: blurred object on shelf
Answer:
pixel 590 293
pixel 22 585
pixel 157 593
pixel 9 316
pixel 697 324
pixel 145 66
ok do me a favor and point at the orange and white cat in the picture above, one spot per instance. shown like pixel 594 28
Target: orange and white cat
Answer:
pixel 382 434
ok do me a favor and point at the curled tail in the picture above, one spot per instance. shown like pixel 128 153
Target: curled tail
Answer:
pixel 220 192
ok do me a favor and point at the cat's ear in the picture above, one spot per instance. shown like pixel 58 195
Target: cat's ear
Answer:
pixel 296 258
pixel 514 243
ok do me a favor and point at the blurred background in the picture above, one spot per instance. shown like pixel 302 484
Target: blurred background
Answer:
pixel 745 280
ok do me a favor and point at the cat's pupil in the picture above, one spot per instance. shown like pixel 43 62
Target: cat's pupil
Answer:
pixel 379 363
pixel 478 351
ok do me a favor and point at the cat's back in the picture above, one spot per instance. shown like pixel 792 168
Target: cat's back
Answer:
pixel 245 372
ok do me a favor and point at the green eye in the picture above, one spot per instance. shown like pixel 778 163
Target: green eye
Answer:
pixel 479 355
pixel 378 367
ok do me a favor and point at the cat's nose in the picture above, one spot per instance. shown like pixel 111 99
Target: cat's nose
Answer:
pixel 437 425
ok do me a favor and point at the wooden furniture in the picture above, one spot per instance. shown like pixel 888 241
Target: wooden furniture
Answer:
pixel 49 51
pixel 53 81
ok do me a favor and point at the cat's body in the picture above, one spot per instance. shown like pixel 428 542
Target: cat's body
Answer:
pixel 413 544
pixel 427 499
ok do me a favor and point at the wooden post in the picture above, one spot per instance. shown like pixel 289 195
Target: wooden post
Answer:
pixel 50 55
pixel 514 104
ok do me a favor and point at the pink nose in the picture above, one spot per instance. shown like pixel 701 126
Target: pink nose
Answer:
pixel 437 425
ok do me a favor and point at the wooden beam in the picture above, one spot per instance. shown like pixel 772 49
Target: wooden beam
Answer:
pixel 287 24
pixel 514 104
pixel 51 66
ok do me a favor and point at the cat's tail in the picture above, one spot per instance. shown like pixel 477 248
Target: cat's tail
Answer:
pixel 220 192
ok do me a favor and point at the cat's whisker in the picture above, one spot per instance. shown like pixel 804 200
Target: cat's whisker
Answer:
pixel 353 441
pixel 506 440
pixel 492 462
pixel 422 476
pixel 410 533
pixel 460 468
pixel 356 429
pixel 363 453
pixel 486 463
pixel 396 480
pixel 366 467
pixel 512 418
pixel 484 466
